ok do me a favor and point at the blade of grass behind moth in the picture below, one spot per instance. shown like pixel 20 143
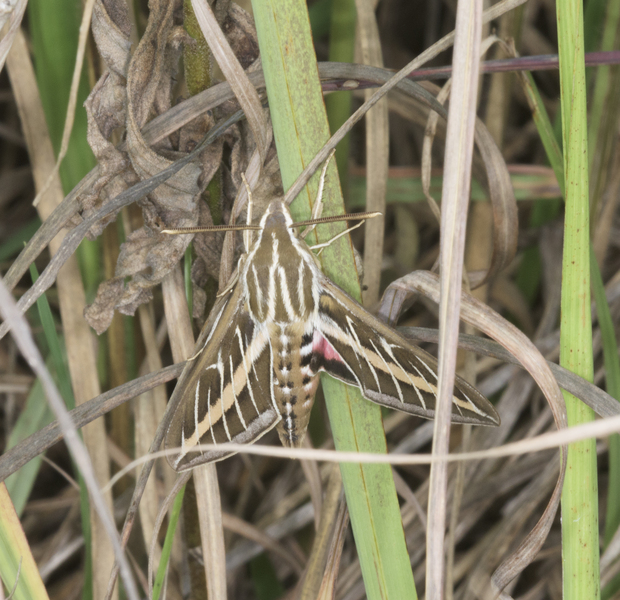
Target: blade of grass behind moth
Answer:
pixel 235 75
pixel 454 200
pixel 18 568
pixel 34 415
pixel 300 128
pixel 78 337
pixel 205 476
pixel 377 154
pixel 178 490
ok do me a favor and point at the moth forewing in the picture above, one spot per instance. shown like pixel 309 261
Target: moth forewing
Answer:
pixel 224 395
pixel 359 349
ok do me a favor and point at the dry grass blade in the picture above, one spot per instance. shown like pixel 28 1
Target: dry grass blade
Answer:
pixel 16 16
pixel 310 584
pixel 377 152
pixel 328 585
pixel 454 200
pixel 205 476
pixel 235 75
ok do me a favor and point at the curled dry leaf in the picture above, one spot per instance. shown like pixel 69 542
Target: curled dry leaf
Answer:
pixel 106 108
pixel 129 94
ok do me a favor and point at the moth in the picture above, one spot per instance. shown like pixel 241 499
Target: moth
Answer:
pixel 282 324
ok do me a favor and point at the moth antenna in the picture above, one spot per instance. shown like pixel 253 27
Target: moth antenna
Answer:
pixel 212 228
pixel 317 209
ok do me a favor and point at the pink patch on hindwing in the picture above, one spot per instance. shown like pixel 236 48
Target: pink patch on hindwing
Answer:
pixel 322 347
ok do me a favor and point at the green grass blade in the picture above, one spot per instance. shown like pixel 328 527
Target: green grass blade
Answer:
pixel 580 545
pixel 300 129
pixel 266 583
pixel 341 49
pixel 35 415
pixel 54 31
pixel 612 378
pixel 16 561
pixel 167 549
pixel 54 344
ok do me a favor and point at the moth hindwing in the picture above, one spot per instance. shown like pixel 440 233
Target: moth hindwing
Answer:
pixel 282 323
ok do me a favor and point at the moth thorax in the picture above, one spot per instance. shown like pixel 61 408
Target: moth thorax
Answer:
pixel 278 279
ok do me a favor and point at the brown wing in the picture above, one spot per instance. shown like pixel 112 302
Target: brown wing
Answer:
pixel 228 394
pixel 355 347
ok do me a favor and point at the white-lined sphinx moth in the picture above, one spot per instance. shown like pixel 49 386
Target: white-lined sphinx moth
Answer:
pixel 282 324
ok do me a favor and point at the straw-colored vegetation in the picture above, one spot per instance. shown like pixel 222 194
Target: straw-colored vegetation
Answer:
pixel 121 119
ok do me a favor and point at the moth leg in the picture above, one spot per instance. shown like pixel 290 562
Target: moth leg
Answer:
pixel 321 247
pixel 317 209
pixel 247 235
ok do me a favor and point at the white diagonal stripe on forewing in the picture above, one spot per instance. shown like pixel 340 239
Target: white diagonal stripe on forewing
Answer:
pixel 196 398
pixel 247 372
pixel 471 406
pixel 360 349
pixel 388 349
pixel 209 415
pixel 220 369
pixel 388 368
pixel 232 383
pixel 428 385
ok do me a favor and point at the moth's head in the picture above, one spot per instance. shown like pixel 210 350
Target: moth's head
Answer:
pixel 276 215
